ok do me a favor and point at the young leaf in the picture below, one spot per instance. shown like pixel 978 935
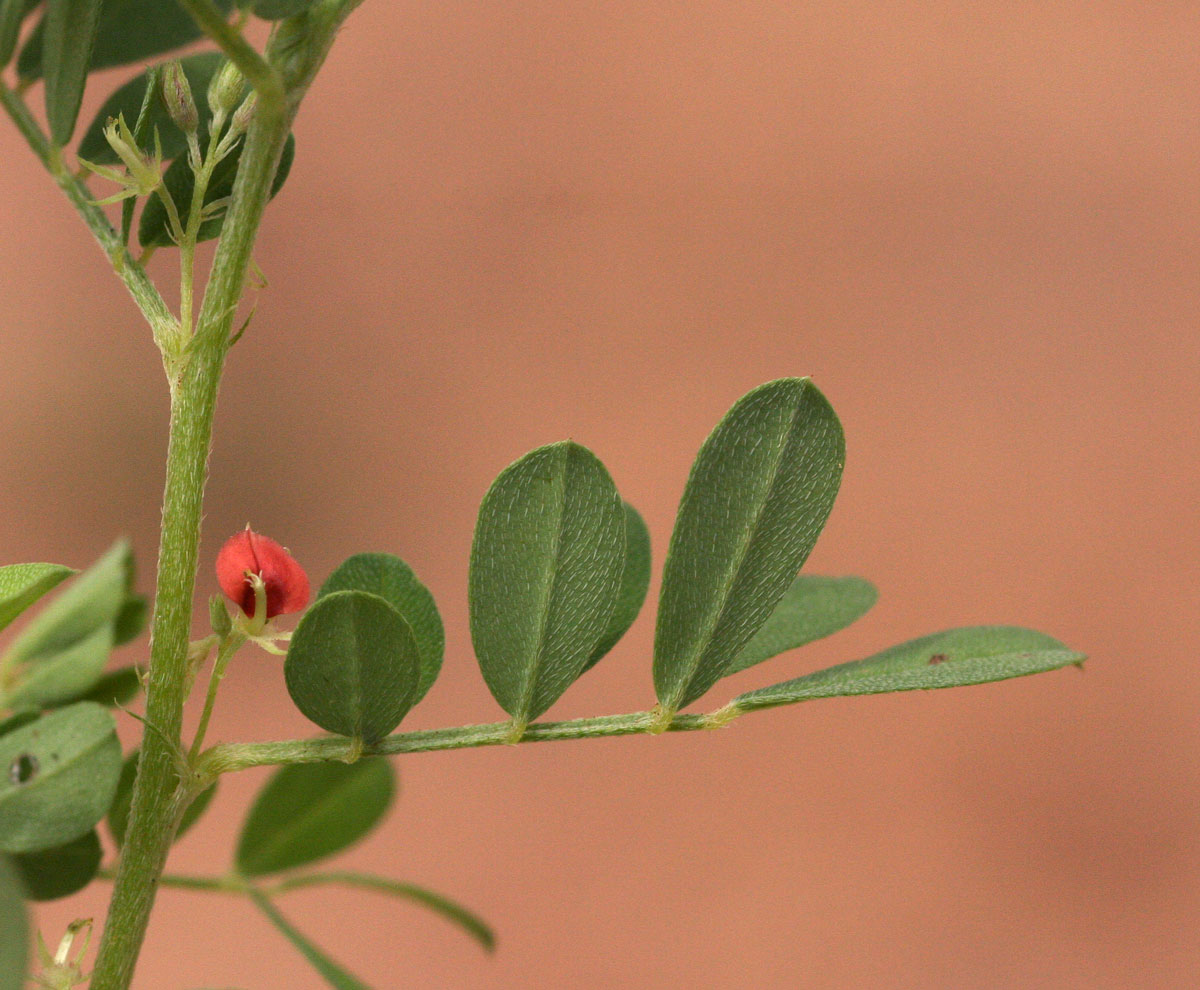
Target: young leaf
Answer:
pixel 756 500
pixel 14 946
pixel 178 182
pixel 545 573
pixel 118 688
pixel 92 600
pixel 68 35
pixel 971 655
pixel 353 665
pixel 118 814
pixel 199 70
pixel 23 584
pixel 128 31
pixel 333 974
pixel 394 581
pixel 635 581
pixel 313 810
pixel 277 10
pixel 59 776
pixel 811 609
pixel 50 874
pixel 57 678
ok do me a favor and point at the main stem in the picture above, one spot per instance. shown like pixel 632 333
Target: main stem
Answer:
pixel 152 821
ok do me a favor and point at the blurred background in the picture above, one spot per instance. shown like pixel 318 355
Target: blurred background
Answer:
pixel 974 224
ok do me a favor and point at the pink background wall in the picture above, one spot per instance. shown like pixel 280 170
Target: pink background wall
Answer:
pixel 975 224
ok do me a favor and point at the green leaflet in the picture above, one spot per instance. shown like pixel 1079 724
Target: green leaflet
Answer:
pixel 332 973
pixel 635 582
pixel 14 946
pixel 50 874
pixel 811 609
pixel 12 13
pixel 199 70
pixel 453 912
pixel 117 688
pixel 59 774
pixel 971 655
pixel 178 181
pixel 118 813
pixel 276 10
pixel 757 498
pixel 92 600
pixel 545 573
pixel 393 580
pixel 23 584
pixel 69 30
pixel 128 31
pixel 309 811
pixel 63 676
pixel 353 665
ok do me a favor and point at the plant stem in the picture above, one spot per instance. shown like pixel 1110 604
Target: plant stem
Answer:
pixel 230 757
pixel 151 825
pixel 144 292
pixel 157 802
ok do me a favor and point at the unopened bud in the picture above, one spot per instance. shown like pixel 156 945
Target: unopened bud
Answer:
pixel 244 114
pixel 177 94
pixel 225 90
pixel 218 616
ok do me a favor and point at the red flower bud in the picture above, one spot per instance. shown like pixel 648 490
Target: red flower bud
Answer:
pixel 248 553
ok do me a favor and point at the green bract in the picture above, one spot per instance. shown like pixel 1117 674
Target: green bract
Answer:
pixel 353 665
pixel 756 500
pixel 545 574
pixel 958 657
pixel 311 811
pixel 394 581
pixel 59 776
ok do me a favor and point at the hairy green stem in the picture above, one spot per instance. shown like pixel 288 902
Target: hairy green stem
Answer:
pixel 143 291
pixel 156 796
pixel 151 825
pixel 231 757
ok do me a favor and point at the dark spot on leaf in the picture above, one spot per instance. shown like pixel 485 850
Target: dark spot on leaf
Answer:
pixel 23 768
pixel 937 658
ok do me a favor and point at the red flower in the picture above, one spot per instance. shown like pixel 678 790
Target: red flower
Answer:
pixel 248 553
